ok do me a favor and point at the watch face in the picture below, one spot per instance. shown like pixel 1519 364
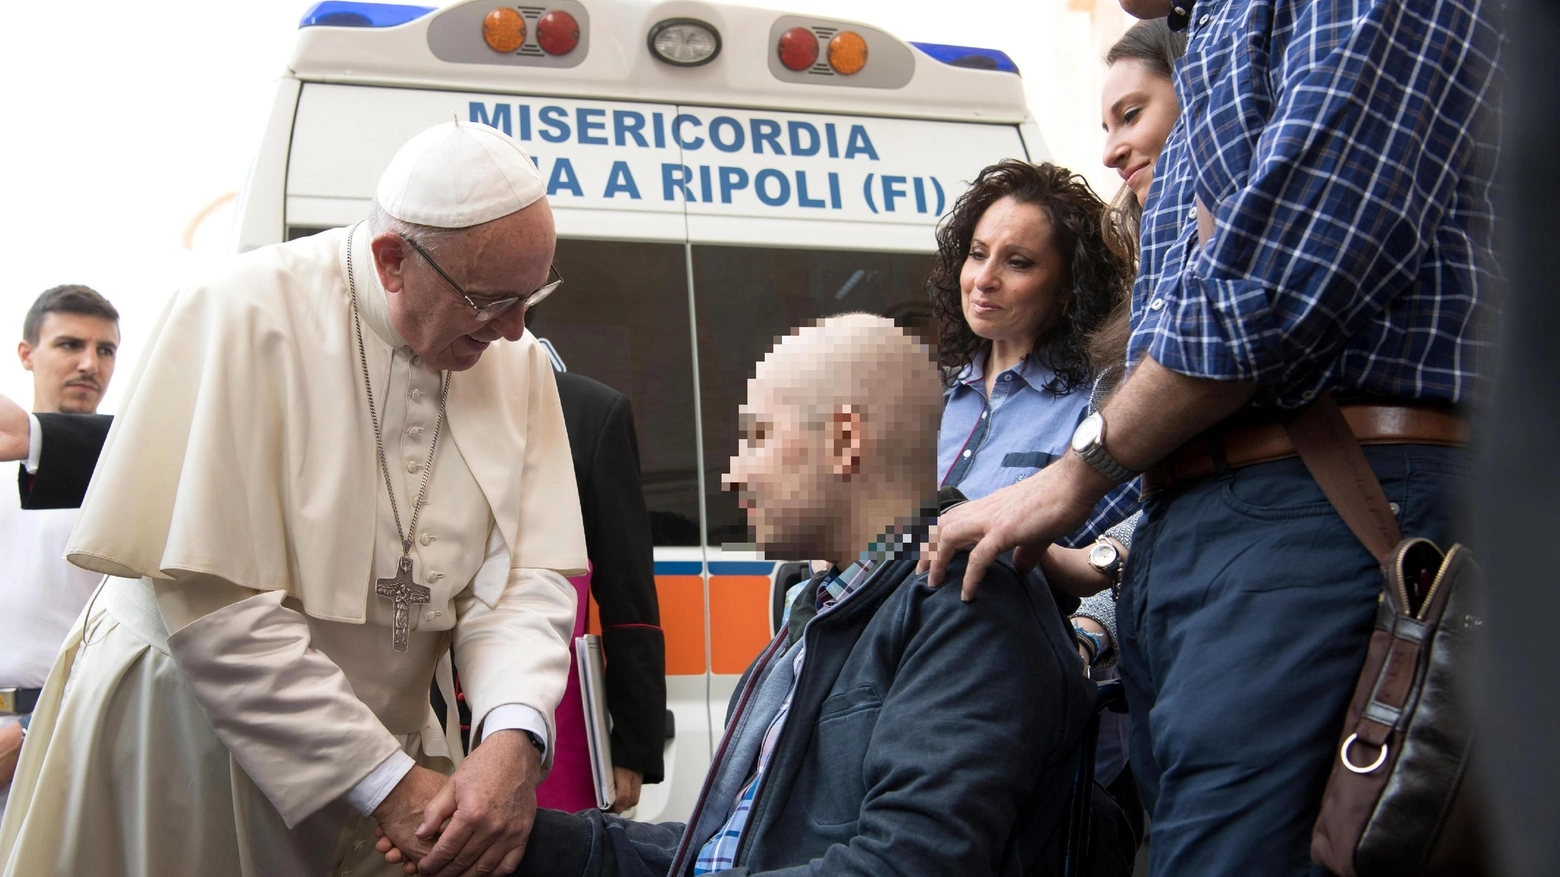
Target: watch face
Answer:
pixel 1102 555
pixel 1088 432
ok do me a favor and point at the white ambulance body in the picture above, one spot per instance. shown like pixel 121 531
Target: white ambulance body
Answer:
pixel 703 208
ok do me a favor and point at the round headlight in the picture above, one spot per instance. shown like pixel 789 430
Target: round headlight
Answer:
pixel 847 52
pixel 686 42
pixel 557 33
pixel 798 49
pixel 503 30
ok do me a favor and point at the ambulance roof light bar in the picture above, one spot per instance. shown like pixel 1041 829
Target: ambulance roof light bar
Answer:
pixel 969 56
pixel 351 13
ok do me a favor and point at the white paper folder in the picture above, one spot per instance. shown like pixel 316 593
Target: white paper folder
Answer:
pixel 592 668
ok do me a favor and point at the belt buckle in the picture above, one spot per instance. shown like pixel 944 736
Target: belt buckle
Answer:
pixel 7 701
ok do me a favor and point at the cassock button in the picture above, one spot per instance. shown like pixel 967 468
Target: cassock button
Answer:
pixel 413 465
pixel 416 394
pixel 429 538
pixel 435 576
pixel 417 360
pixel 414 431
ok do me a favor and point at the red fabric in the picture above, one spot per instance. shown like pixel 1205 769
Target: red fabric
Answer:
pixel 569 787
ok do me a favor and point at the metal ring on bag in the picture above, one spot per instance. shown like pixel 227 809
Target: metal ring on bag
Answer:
pixel 1343 754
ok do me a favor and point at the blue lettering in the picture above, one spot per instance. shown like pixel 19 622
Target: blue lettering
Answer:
pixel 801 192
pixel 525 120
pixel 834 190
pixel 796 130
pixel 590 121
pixel 677 135
pixel 563 177
pixel 708 191
pixel 771 175
pixel 557 121
pixel 766 131
pixel 860 142
pixel 834 143
pixel 893 187
pixel 499 119
pixel 731 179
pixel 626 124
pixel 920 195
pixel 673 177
pixel 621 180
pixel 737 137
pixel 660 132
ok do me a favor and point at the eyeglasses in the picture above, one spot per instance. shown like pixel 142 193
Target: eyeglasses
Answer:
pixel 493 309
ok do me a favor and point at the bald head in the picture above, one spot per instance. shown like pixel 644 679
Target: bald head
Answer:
pixel 862 363
pixel 840 414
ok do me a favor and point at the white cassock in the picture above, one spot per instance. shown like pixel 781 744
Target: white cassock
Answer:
pixel 240 502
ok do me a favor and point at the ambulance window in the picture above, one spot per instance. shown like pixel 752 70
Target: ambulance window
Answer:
pixel 747 297
pixel 621 317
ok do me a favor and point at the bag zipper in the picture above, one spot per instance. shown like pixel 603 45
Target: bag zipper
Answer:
pixel 1435 584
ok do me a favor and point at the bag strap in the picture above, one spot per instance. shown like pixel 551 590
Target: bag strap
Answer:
pixel 1335 459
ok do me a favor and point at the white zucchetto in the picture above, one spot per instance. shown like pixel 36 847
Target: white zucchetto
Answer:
pixel 458 175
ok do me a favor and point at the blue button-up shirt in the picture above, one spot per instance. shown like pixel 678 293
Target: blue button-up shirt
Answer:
pixel 987 444
pixel 1346 150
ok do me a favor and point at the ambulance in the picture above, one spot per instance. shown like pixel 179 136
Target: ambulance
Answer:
pixel 719 174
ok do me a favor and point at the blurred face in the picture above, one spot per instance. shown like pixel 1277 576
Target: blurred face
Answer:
pixel 507 257
pixel 782 474
pixel 1013 284
pixel 1139 109
pixel 71 363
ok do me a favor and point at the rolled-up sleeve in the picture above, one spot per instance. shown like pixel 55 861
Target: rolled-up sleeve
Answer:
pixel 1347 151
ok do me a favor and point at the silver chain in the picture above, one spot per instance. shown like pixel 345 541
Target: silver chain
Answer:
pixel 373 415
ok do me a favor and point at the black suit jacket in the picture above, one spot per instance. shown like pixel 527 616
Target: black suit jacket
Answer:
pixel 71 444
pixel 600 424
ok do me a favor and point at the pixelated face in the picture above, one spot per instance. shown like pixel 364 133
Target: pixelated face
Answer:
pixel 781 472
pixel 72 362
pixel 1013 282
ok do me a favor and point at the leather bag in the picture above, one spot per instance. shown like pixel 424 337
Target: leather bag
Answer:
pixel 1400 801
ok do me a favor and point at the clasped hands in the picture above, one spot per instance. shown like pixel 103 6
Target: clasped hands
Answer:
pixel 476 821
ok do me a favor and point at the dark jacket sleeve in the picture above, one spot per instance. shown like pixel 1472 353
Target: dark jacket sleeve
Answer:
pixel 623 583
pixel 948 790
pixel 71 445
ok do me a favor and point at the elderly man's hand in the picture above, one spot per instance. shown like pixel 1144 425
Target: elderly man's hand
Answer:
pixel 486 809
pixel 1027 516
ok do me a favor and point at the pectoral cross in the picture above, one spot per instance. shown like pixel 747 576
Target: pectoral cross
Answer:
pixel 404 593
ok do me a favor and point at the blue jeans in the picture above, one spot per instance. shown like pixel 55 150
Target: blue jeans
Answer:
pixel 1244 621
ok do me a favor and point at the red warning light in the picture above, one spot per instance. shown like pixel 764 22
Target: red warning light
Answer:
pixel 798 49
pixel 557 33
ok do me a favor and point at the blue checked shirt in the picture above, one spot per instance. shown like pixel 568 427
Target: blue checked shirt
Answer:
pixel 1346 149
pixel 720 852
pixel 986 444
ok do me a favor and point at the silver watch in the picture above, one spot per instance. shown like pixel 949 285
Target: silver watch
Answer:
pixel 1088 442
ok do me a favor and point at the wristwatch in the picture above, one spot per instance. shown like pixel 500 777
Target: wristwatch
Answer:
pixel 1107 561
pixel 1088 442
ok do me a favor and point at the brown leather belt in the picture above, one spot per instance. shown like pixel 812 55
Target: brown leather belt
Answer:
pixel 1247 444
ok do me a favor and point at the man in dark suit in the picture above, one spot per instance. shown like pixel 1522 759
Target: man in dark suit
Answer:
pixel 617 539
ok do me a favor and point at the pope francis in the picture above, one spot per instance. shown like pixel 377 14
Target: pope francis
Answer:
pixel 340 456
